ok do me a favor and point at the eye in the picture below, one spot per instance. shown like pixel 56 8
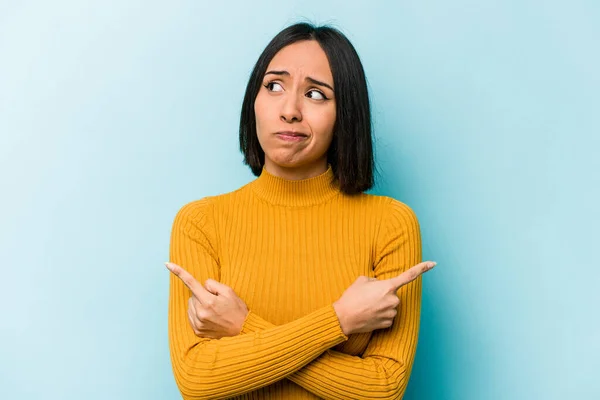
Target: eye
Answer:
pixel 268 85
pixel 319 93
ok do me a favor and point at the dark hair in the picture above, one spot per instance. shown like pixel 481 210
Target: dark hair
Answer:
pixel 351 151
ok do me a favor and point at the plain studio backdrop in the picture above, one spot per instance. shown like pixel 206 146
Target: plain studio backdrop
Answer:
pixel 114 114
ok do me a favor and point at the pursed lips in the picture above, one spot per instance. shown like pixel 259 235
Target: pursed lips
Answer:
pixel 291 133
pixel 290 136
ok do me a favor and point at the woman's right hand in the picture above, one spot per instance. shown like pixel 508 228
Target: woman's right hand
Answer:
pixel 370 304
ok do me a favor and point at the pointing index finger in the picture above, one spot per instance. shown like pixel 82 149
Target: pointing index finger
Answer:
pixel 188 280
pixel 411 274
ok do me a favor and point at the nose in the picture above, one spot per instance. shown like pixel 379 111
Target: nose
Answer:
pixel 290 110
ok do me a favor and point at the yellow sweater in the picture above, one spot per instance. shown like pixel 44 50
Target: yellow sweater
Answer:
pixel 289 249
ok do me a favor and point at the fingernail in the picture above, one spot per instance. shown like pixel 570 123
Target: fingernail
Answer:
pixel 168 265
pixel 432 264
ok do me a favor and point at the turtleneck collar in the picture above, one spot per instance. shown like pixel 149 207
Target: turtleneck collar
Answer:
pixel 302 192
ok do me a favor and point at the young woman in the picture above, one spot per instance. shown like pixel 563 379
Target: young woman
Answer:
pixel 298 285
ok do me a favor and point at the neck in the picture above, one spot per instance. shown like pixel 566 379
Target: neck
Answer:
pixel 296 192
pixel 296 173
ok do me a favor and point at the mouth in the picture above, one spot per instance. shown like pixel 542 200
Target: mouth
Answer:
pixel 291 136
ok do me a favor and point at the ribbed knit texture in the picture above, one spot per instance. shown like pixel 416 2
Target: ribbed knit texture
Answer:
pixel 289 249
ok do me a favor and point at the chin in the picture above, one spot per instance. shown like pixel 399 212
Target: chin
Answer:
pixel 285 159
pixel 287 164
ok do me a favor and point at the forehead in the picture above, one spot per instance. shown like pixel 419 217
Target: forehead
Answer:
pixel 302 58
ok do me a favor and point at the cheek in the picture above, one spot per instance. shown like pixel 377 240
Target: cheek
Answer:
pixel 258 109
pixel 263 113
pixel 260 104
pixel 331 119
pixel 324 123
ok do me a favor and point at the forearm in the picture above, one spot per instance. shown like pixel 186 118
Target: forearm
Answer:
pixel 207 368
pixel 335 375
pixel 230 366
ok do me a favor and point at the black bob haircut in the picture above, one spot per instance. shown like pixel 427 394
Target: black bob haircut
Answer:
pixel 351 151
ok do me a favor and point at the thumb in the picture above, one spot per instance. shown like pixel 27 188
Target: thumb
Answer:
pixel 215 287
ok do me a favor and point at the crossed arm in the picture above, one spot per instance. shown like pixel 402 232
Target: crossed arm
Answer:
pixel 300 351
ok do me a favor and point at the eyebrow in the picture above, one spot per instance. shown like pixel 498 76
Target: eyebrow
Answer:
pixel 308 78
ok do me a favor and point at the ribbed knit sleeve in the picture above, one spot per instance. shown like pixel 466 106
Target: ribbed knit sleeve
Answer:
pixel 384 368
pixel 219 368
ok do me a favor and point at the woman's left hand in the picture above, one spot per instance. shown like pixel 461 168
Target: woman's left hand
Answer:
pixel 214 311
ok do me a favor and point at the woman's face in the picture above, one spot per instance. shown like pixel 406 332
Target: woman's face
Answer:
pixel 296 96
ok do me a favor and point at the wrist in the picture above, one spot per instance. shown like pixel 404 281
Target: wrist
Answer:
pixel 344 325
pixel 246 322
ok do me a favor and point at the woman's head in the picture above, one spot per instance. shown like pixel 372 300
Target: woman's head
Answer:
pixel 309 80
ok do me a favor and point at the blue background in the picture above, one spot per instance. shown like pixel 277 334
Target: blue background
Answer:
pixel 114 114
